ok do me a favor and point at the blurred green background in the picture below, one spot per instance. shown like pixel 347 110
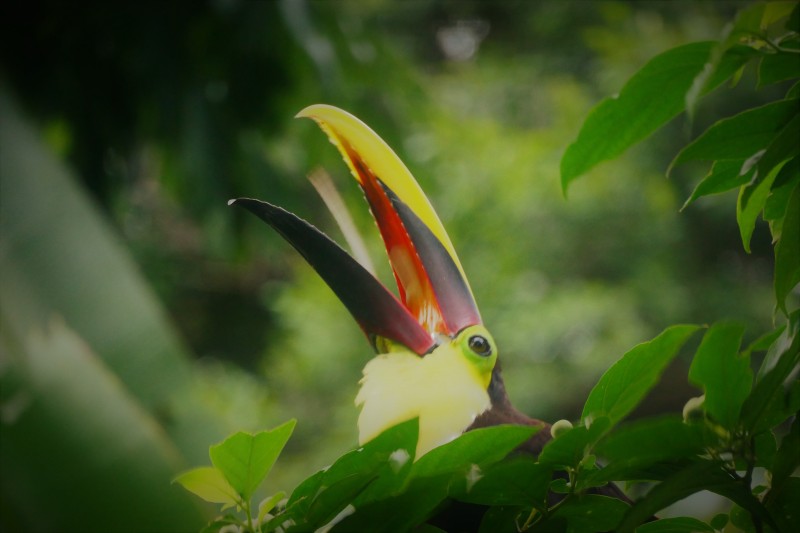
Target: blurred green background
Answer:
pixel 142 319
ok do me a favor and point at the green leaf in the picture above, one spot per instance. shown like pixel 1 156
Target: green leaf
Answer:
pixel 209 483
pixel 642 443
pixel 519 481
pixel 775 208
pixel 245 459
pixel 783 146
pixel 216 525
pixel 723 176
pixel 569 448
pixel 767 404
pixel 681 524
pixel 637 451
pixel 268 504
pixel 591 512
pixel 778 67
pixel 628 380
pixel 698 476
pixel 400 513
pixel 376 467
pixel 648 100
pixel 740 136
pixel 786 460
pixel 502 519
pixel 787 252
pixel 782 504
pixel 751 202
pixel 477 447
pixel 723 374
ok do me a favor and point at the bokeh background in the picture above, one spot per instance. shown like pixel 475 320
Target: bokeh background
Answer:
pixel 143 320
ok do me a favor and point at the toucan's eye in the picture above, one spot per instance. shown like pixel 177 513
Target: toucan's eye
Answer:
pixel 480 345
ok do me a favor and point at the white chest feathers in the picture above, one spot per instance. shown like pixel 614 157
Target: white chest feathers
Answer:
pixel 443 389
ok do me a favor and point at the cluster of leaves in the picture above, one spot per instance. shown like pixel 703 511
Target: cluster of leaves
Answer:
pixel 715 447
pixel 738 440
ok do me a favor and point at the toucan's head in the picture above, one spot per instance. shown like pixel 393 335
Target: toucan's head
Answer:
pixel 435 357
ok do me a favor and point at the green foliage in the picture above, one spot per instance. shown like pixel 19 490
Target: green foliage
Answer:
pixel 241 463
pixel 741 422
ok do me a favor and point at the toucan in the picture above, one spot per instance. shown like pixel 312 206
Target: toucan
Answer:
pixel 435 360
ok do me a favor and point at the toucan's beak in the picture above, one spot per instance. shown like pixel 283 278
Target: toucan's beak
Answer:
pixel 435 298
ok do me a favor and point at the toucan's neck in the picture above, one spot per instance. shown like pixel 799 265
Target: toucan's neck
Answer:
pixel 503 412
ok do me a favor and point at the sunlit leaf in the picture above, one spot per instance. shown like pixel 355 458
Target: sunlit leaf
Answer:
pixel 628 380
pixel 724 374
pixel 245 459
pixel 209 483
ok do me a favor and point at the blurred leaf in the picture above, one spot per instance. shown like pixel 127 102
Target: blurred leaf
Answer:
pixel 245 459
pixel 682 524
pixel 67 418
pixel 740 136
pixel 724 375
pixel 617 123
pixel 60 256
pixel 787 252
pixel 628 380
pixel 723 176
pixel 210 484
